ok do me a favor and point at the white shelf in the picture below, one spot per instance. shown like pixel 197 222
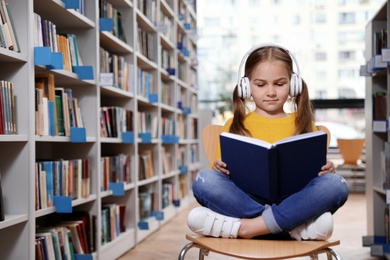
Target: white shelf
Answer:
pixel 20 152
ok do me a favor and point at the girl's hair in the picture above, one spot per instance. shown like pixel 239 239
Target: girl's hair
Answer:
pixel 301 103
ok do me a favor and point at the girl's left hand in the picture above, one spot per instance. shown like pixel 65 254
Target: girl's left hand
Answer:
pixel 327 168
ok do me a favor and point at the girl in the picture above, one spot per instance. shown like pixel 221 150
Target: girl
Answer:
pixel 230 212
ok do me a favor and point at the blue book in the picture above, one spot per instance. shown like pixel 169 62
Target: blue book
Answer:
pixel 52 120
pixel 273 171
pixel 48 168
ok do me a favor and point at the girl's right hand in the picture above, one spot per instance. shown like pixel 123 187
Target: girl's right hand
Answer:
pixel 220 166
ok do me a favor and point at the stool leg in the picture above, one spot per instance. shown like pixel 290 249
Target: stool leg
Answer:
pixel 185 249
pixel 202 251
pixel 330 253
pixel 335 254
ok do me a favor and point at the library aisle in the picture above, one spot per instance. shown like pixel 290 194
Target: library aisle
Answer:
pixel 349 227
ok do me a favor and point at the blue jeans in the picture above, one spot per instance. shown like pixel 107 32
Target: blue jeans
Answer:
pixel 217 192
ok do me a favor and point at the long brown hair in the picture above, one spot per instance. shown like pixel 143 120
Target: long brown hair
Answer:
pixel 301 103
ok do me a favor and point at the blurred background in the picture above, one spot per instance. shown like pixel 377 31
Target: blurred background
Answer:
pixel 326 37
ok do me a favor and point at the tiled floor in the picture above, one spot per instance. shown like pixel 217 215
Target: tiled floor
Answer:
pixel 349 227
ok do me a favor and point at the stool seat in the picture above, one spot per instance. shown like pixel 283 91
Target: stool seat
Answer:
pixel 260 249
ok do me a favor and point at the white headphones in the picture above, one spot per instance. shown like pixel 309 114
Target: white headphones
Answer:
pixel 244 86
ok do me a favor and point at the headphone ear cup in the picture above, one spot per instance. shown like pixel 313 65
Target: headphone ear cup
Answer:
pixel 295 85
pixel 244 88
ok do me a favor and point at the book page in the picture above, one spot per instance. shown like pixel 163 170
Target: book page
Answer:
pixel 300 137
pixel 248 139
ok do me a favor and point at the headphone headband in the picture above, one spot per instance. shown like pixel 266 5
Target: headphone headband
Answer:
pixel 270 44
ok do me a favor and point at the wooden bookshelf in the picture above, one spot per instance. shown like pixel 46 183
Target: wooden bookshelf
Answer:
pixel 165 95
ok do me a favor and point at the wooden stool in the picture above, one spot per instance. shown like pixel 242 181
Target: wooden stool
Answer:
pixel 259 249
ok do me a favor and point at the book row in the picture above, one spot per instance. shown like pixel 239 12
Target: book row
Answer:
pixel 65 236
pixel 113 219
pixel 56 110
pixel 115 169
pixel 108 11
pixel 8 37
pixel 7 108
pixel 380 105
pixel 114 121
pixel 61 178
pixel 115 71
pixel 45 34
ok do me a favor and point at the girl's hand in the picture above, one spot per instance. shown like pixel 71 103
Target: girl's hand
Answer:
pixel 327 168
pixel 220 166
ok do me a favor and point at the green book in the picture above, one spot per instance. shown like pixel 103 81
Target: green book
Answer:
pixel 60 116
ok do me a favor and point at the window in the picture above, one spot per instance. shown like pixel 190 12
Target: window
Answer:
pixel 321 75
pixel 346 18
pixel 211 21
pixel 346 55
pixel 320 94
pixel 347 73
pixel 295 19
pixel 351 36
pixel 320 56
pixel 346 93
pixel 320 18
pixel 320 3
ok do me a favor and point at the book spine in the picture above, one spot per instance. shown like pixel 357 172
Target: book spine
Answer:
pixel 2 218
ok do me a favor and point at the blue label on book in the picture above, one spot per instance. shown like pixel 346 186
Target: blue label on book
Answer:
pixel 78 135
pixel 42 56
pixel 117 188
pixel 179 105
pixel 176 203
pixel 171 71
pixel 159 215
pixel 128 137
pixel 170 139
pixel 105 24
pixel 56 61
pixel 146 138
pixel 183 169
pixel 83 257
pixel 84 72
pixel 143 225
pixel 187 26
pixel 71 4
pixel 186 110
pixel 63 204
pixel 153 98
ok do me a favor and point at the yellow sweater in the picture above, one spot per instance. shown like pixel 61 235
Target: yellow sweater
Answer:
pixel 265 128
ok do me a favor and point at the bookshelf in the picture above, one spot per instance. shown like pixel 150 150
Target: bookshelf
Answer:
pixel 148 95
pixel 376 71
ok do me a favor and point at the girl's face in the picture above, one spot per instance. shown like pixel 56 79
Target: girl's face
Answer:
pixel 270 86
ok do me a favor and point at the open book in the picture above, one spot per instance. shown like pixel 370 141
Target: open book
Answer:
pixel 273 171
